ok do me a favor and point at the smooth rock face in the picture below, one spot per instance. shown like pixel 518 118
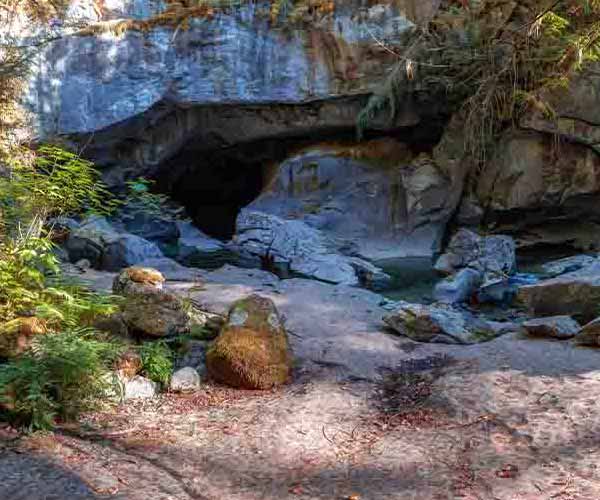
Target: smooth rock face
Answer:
pixel 83 84
pixel 458 288
pixel 441 324
pixel 589 334
pixel 560 327
pixel 576 294
pixel 139 388
pixel 185 379
pixel 306 250
pixel 373 195
pixel 252 350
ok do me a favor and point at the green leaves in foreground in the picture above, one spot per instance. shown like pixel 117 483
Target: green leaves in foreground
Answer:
pixel 157 361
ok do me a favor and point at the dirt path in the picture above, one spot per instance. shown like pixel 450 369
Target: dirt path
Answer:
pixel 369 416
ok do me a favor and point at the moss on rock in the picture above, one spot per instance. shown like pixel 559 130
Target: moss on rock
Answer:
pixel 252 350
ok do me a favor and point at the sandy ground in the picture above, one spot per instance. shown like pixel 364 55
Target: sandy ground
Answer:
pixel 369 415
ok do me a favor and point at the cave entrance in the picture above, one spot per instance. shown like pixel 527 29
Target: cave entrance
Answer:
pixel 215 185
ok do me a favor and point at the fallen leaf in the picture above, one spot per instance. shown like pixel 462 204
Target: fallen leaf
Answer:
pixel 508 471
pixel 296 489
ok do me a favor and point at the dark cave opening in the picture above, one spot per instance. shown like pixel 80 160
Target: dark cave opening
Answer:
pixel 214 185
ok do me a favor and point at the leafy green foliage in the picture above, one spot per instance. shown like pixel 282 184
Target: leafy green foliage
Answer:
pixel 63 375
pixel 58 183
pixel 157 361
pixel 63 372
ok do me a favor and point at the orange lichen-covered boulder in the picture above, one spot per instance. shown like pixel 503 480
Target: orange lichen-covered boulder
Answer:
pixel 136 278
pixel 252 350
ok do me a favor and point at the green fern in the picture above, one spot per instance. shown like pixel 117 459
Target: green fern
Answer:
pixel 60 377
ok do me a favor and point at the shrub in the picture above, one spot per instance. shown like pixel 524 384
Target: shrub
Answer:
pixel 61 376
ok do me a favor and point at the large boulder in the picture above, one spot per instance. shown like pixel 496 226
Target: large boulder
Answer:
pixel 590 334
pixel 105 248
pixel 375 195
pixel 575 294
pixel 126 250
pixel 150 310
pixel 135 279
pixel 443 324
pixel 149 224
pixel 306 250
pixel 252 350
pixel 494 256
pixel 560 327
pixel 200 250
pixel 458 288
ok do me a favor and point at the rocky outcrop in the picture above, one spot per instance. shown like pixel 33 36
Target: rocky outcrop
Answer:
pixel 304 249
pixel 443 324
pixel 559 327
pixel 492 256
pixel 543 191
pixel 252 350
pixel 139 97
pixel 476 265
pixel 575 294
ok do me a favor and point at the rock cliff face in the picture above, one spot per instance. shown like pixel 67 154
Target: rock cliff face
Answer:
pixel 543 183
pixel 233 110
pixel 145 95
